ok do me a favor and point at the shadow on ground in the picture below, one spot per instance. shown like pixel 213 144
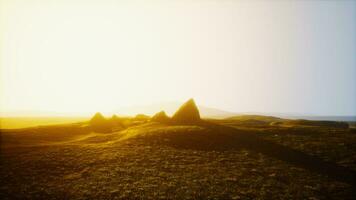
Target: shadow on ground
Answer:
pixel 213 137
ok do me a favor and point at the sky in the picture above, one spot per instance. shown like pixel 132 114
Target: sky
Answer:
pixel 81 56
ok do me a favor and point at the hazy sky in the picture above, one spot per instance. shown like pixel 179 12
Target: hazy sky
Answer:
pixel 261 56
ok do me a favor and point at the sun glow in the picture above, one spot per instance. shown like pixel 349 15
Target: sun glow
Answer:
pixel 75 57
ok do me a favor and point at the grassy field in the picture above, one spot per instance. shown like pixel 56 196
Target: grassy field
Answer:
pixel 219 159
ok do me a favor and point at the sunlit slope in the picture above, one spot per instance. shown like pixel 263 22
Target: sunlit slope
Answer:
pixel 44 135
pixel 261 121
pixel 24 122
pixel 177 161
pixel 203 135
pixel 149 133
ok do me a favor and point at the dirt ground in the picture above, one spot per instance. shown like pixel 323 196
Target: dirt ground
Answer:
pixel 159 161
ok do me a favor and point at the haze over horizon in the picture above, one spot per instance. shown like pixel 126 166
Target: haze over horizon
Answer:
pixel 243 56
pixel 170 108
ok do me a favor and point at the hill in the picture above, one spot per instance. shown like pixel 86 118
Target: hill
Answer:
pixel 185 157
pixel 156 160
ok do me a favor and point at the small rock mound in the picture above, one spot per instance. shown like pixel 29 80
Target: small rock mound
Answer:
pixel 116 121
pixel 141 117
pixel 187 113
pixel 160 117
pixel 115 117
pixel 97 119
pixel 99 124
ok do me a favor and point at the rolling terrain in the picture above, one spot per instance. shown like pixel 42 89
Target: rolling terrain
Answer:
pixel 25 122
pixel 251 157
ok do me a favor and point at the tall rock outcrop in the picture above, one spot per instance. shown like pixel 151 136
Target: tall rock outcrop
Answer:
pixel 187 113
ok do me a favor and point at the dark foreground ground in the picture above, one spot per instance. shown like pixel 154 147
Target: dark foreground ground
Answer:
pixel 228 160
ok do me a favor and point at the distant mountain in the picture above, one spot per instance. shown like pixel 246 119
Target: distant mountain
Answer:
pixel 301 116
pixel 208 112
pixel 324 118
pixel 170 108
pixel 255 117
